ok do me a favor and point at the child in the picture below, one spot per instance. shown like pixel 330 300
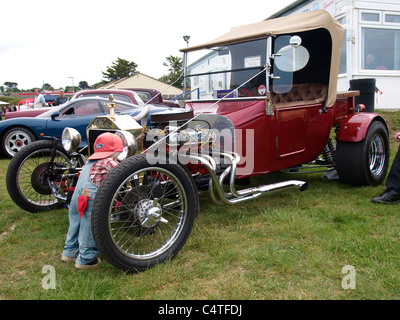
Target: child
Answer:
pixel 79 245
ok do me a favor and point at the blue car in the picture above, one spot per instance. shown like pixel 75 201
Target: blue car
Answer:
pixel 17 132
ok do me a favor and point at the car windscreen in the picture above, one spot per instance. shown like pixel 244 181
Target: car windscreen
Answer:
pixel 117 96
pixel 119 106
pixel 82 108
pixel 224 70
pixel 145 96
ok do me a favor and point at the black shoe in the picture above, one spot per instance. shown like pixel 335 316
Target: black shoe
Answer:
pixel 390 196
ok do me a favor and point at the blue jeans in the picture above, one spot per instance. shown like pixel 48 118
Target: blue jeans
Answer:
pixel 79 241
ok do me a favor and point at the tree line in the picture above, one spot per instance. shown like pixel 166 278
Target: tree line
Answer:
pixel 119 69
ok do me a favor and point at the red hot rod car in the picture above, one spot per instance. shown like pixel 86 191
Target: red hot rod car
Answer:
pixel 263 99
pixel 297 59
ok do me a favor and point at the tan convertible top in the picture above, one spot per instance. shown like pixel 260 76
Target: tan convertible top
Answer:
pixel 305 21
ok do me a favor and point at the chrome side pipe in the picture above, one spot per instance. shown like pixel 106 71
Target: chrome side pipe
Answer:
pixel 217 193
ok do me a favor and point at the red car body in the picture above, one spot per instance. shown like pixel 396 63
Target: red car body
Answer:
pixel 295 135
pixel 290 114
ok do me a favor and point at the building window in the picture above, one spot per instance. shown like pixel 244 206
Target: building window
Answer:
pixel 392 18
pixel 380 49
pixel 370 17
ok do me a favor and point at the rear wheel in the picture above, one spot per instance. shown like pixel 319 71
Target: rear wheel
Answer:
pixel 143 214
pixel 15 139
pixel 364 163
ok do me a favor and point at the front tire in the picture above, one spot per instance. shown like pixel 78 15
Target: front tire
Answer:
pixel 27 173
pixel 364 163
pixel 143 214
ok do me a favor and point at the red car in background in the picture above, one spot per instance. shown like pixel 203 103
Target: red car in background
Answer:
pixel 138 96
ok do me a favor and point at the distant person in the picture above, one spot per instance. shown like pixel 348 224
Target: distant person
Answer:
pixel 60 99
pixel 391 195
pixel 79 244
pixel 39 101
pixel 372 64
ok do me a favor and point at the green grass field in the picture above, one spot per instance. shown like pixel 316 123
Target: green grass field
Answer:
pixel 284 245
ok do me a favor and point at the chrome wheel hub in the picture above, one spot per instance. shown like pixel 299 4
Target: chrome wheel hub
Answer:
pixel 149 213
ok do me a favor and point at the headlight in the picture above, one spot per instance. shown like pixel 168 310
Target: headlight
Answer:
pixel 129 142
pixel 71 139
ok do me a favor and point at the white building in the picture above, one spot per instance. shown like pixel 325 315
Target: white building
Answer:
pixel 371 46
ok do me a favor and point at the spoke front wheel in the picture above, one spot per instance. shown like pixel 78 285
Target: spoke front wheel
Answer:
pixel 143 214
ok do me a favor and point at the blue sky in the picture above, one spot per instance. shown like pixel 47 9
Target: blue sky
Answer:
pixel 48 41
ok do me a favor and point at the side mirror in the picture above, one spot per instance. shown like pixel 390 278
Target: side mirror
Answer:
pixel 54 115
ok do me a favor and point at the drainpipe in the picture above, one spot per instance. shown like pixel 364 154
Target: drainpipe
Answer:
pixel 350 41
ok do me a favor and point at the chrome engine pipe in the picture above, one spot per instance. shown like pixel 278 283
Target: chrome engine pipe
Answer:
pixel 211 188
pixel 216 187
pixel 234 158
pixel 213 178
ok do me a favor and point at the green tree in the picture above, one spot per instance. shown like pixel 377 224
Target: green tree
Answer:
pixel 11 86
pixel 175 65
pixel 47 86
pixel 70 89
pixel 83 85
pixel 121 68
pixel 99 84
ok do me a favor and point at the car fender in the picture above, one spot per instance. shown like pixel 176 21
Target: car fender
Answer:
pixel 5 125
pixel 355 126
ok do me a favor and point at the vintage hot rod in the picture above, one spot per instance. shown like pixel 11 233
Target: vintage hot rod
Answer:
pixel 263 99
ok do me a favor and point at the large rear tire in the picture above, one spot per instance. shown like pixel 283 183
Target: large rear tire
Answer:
pixel 143 214
pixel 364 163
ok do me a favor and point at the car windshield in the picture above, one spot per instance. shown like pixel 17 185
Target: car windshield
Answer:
pixel 146 96
pixel 117 96
pixel 224 69
pixel 138 99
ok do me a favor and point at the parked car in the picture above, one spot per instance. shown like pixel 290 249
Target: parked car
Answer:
pixel 25 113
pixel 120 95
pixel 131 95
pixel 267 102
pixel 154 96
pixel 17 132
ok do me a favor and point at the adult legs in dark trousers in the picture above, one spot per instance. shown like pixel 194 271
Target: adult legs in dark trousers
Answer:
pixel 391 195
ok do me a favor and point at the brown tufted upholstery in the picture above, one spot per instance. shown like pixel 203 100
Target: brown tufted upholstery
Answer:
pixel 300 94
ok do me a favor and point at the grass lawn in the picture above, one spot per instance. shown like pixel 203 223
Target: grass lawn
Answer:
pixel 284 245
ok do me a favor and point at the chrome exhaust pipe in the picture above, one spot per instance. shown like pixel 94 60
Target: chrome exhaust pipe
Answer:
pixel 219 196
